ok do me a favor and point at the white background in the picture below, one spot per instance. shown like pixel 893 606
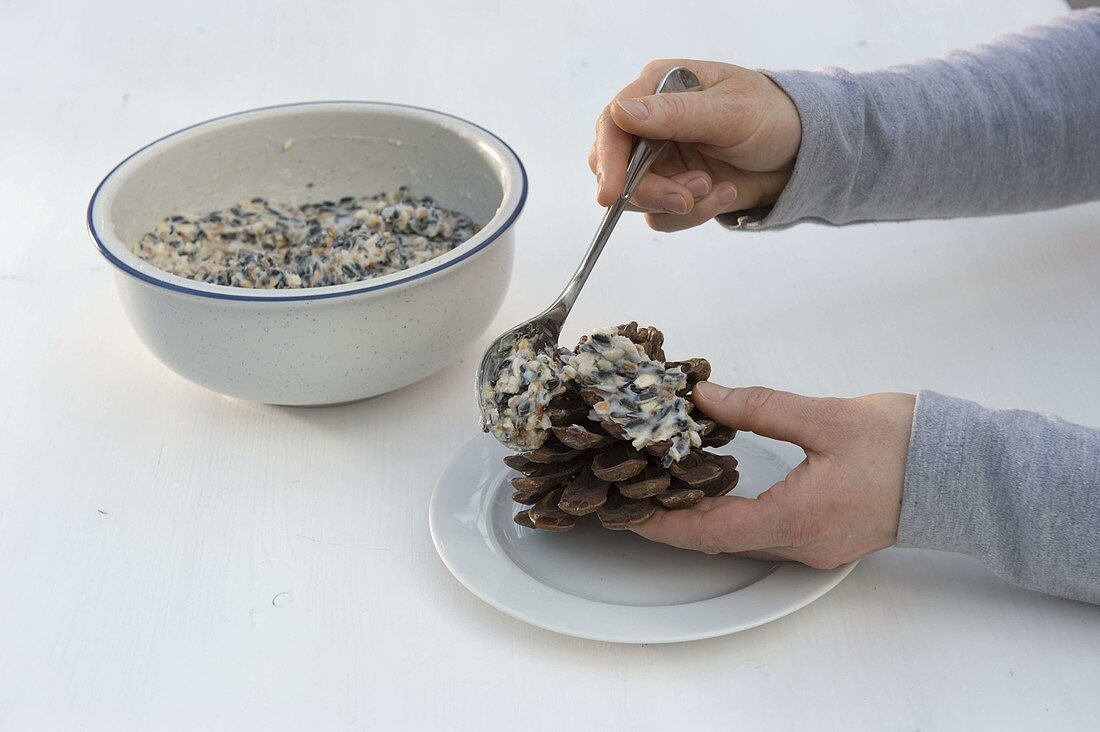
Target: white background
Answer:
pixel 173 559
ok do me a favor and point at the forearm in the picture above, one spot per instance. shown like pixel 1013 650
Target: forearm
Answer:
pixel 1018 490
pixel 1003 128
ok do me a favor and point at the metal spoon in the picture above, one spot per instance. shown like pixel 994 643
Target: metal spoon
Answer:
pixel 544 329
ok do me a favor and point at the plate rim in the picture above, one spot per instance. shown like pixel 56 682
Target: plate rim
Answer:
pixel 626 617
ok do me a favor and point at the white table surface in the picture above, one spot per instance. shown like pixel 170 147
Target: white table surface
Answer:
pixel 172 559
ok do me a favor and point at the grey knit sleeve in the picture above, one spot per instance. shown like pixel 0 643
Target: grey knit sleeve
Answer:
pixel 1006 127
pixel 1020 491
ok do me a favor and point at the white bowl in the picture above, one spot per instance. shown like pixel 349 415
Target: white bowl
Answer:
pixel 320 345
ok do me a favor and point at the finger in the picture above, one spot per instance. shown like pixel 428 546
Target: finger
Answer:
pixel 696 178
pixel 697 182
pixel 714 525
pixel 763 555
pixel 658 193
pixel 612 151
pixel 777 414
pixel 722 199
pixel 613 145
pixel 674 195
pixel 632 205
pixel 670 163
pixel 653 198
pixel 702 117
pixel 608 160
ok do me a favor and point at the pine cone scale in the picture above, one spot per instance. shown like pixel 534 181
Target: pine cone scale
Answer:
pixel 580 438
pixel 694 472
pixel 649 482
pixel 618 462
pixel 621 514
pixel 584 494
pixel 680 498
pixel 548 516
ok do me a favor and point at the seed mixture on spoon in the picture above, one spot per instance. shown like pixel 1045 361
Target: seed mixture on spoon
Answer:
pixel 518 399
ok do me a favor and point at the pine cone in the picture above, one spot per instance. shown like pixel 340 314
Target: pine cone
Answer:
pixel 588 467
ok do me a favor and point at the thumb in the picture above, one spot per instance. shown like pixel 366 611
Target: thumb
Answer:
pixel 683 116
pixel 777 414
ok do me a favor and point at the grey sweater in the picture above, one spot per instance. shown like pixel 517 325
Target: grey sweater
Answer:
pixel 1007 127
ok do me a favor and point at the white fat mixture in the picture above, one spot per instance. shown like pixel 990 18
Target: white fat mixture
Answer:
pixel 635 392
pixel 516 403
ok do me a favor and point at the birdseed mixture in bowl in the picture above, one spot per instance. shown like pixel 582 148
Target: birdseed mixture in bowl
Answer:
pixel 265 245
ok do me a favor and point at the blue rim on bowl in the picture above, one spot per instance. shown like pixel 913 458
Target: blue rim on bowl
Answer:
pixel 500 222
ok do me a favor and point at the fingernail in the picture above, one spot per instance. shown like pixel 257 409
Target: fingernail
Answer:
pixel 634 108
pixel 699 187
pixel 674 203
pixel 726 194
pixel 711 392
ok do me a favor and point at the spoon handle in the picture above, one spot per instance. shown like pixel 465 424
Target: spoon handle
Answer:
pixel 568 296
pixel 644 154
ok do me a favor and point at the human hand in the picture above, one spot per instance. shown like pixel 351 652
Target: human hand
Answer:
pixel 841 502
pixel 735 144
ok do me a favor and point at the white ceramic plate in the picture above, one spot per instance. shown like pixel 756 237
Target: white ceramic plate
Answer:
pixel 612 585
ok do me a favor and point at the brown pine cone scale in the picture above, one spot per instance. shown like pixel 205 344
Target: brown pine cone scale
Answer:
pixel 552 452
pixel 580 437
pixel 529 488
pixel 694 472
pixel 584 494
pixel 619 513
pixel 547 515
pixel 522 464
pixel 618 461
pixel 651 481
pixel 680 498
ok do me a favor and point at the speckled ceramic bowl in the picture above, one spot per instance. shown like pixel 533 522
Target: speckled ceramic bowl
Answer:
pixel 320 345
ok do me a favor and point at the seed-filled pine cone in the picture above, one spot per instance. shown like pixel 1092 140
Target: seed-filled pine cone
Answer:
pixel 614 434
